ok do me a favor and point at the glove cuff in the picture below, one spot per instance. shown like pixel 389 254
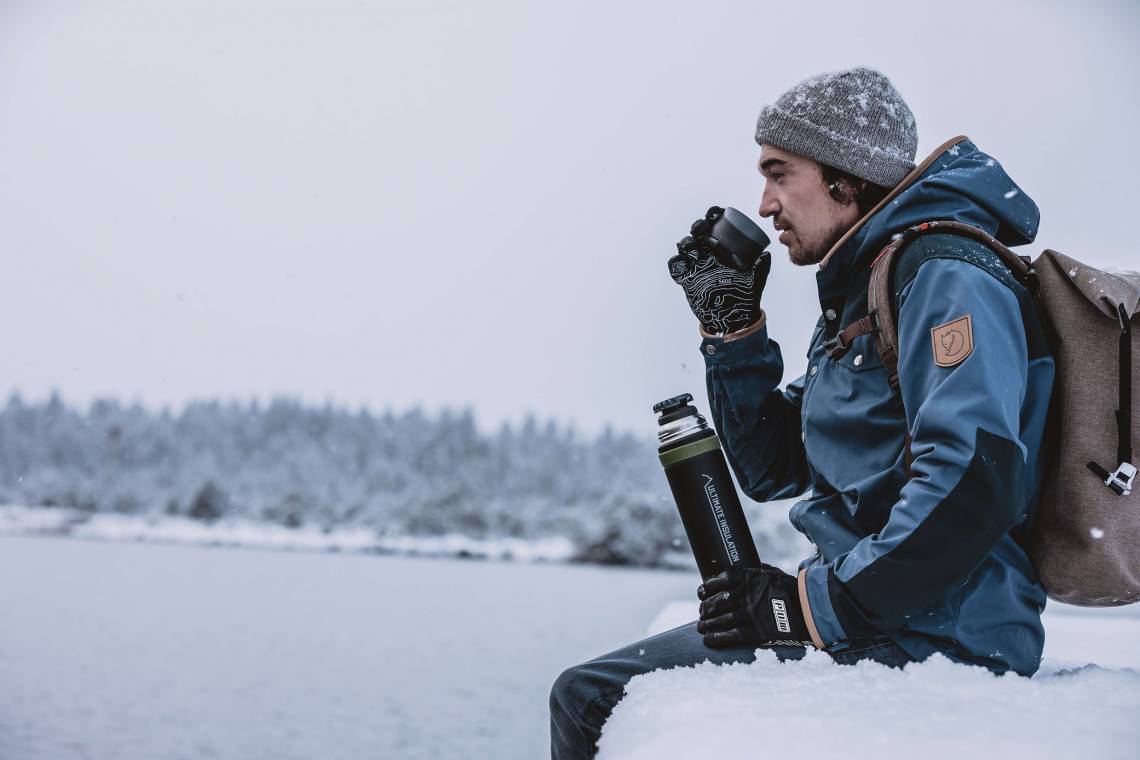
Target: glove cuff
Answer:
pixel 741 333
pixel 805 606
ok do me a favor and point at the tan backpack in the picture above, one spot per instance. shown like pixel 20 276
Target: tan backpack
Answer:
pixel 1085 539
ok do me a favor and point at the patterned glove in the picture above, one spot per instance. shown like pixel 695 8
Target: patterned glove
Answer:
pixel 723 299
pixel 752 606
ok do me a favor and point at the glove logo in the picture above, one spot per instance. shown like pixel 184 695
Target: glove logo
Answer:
pixel 953 341
pixel 781 614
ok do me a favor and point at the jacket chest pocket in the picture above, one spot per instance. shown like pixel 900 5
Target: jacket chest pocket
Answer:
pixel 863 356
pixel 853 421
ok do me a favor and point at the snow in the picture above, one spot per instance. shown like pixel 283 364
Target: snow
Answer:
pixel 1083 702
pixel 935 709
pixel 239 532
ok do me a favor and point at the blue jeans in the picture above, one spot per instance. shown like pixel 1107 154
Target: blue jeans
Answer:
pixel 584 695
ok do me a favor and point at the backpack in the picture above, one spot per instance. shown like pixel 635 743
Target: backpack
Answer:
pixel 1085 538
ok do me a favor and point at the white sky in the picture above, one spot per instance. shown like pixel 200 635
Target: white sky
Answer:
pixel 472 203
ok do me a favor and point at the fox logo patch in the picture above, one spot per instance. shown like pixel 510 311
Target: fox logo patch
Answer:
pixel 953 341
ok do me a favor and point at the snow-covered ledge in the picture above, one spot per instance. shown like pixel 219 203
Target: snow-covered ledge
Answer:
pixel 932 710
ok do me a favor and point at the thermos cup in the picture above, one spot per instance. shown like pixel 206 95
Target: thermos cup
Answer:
pixel 698 475
pixel 734 239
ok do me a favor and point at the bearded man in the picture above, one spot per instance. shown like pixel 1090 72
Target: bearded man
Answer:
pixel 922 485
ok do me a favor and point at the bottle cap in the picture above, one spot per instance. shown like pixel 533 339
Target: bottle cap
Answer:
pixel 674 408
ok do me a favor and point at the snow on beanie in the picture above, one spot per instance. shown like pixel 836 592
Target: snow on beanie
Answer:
pixel 853 120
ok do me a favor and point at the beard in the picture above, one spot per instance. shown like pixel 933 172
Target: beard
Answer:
pixel 812 249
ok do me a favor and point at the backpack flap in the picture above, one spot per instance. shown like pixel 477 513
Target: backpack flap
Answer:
pixel 1086 538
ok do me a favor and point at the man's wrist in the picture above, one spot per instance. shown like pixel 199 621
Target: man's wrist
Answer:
pixel 743 332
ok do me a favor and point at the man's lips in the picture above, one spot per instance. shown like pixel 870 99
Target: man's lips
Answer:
pixel 783 235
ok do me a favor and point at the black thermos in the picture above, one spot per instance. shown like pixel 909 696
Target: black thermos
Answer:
pixel 703 489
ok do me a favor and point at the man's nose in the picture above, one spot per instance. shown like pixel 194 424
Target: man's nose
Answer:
pixel 768 204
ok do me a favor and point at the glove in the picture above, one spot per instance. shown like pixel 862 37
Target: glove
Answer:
pixel 752 606
pixel 723 299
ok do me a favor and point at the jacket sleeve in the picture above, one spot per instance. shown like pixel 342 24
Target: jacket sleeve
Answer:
pixel 967 485
pixel 759 425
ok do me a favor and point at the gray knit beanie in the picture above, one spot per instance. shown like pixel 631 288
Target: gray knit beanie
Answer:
pixel 852 120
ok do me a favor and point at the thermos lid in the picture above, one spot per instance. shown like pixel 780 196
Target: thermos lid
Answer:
pixel 674 408
pixel 678 421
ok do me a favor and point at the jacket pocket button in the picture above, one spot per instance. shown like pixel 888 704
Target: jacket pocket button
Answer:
pixel 858 360
pixel 813 370
pixel 710 349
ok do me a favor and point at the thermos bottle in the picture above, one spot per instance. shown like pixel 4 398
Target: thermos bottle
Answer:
pixel 703 489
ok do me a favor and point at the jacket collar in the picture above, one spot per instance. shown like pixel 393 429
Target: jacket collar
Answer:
pixel 837 268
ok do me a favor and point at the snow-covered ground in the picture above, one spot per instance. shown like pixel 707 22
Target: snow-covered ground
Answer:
pixel 1084 702
pixel 18 520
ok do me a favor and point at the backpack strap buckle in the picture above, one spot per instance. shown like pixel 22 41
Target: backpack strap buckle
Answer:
pixel 834 347
pixel 1121 479
pixel 839 345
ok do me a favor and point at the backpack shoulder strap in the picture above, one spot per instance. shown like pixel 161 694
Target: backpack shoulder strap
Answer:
pixel 881 291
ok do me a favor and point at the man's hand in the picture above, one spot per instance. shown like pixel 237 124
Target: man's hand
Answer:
pixel 752 607
pixel 722 298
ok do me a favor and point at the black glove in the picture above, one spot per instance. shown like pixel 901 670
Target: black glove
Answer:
pixel 753 606
pixel 723 299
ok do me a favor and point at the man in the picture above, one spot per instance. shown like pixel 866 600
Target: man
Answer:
pixel 921 496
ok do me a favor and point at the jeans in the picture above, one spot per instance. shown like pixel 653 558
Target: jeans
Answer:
pixel 583 696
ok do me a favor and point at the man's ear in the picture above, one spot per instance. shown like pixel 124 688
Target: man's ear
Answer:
pixel 842 191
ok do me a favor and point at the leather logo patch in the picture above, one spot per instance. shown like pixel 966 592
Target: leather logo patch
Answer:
pixel 953 341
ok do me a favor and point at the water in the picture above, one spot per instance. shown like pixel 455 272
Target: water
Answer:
pixel 119 650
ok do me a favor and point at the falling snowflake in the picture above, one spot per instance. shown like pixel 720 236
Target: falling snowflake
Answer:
pixel 1011 193
pixel 1096 533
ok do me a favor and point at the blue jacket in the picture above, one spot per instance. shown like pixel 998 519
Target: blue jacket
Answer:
pixel 934 562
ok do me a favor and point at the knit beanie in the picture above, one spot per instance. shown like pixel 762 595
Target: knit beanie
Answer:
pixel 853 120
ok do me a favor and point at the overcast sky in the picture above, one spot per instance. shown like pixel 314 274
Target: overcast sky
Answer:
pixel 472 203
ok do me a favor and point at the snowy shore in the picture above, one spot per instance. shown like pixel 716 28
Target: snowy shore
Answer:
pixel 237 532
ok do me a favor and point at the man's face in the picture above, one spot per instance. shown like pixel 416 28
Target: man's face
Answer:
pixel 810 220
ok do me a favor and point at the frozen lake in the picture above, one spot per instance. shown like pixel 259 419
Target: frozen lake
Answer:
pixel 125 650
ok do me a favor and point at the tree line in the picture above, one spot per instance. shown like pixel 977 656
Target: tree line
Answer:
pixel 406 473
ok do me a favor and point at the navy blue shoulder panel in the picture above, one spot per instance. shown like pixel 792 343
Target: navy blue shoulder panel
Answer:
pixel 941 246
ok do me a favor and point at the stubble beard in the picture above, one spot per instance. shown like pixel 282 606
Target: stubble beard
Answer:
pixel 813 252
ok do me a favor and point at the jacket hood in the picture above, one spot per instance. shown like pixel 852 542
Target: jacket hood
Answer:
pixel 957 182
